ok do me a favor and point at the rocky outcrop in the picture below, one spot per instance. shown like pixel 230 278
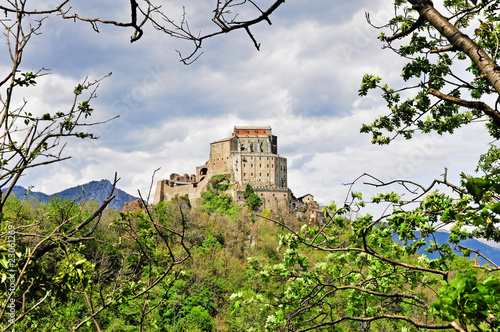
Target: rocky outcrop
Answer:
pixel 133 206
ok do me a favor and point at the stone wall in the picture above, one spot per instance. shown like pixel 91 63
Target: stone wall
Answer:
pixel 273 199
pixel 166 190
pixel 220 153
pixel 182 178
pixel 260 170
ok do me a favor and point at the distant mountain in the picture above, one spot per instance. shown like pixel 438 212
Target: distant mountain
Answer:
pixel 487 249
pixel 95 190
pixel 19 192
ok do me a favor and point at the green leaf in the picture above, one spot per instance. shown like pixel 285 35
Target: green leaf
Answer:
pixel 81 261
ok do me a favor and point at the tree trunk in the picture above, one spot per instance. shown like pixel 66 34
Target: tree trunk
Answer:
pixel 460 41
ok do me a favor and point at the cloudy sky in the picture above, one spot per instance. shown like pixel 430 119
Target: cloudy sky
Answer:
pixel 303 83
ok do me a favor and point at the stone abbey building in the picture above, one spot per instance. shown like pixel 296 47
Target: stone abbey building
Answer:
pixel 249 155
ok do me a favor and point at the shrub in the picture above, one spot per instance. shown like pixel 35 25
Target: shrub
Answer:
pixel 198 319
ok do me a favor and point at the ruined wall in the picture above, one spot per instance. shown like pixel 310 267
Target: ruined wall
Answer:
pixel 202 171
pixel 182 178
pixel 166 190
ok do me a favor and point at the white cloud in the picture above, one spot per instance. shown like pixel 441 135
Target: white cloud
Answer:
pixel 303 83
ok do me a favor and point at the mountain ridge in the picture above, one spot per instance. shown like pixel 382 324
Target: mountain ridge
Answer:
pixel 93 190
pixel 484 247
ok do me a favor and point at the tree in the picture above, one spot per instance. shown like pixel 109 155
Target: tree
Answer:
pixel 369 273
pixel 248 191
pixel 253 200
pixel 30 139
pixel 436 43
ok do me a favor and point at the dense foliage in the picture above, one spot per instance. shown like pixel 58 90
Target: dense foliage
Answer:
pixel 438 95
pixel 172 267
pixel 349 273
pixel 59 269
pixel 253 200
